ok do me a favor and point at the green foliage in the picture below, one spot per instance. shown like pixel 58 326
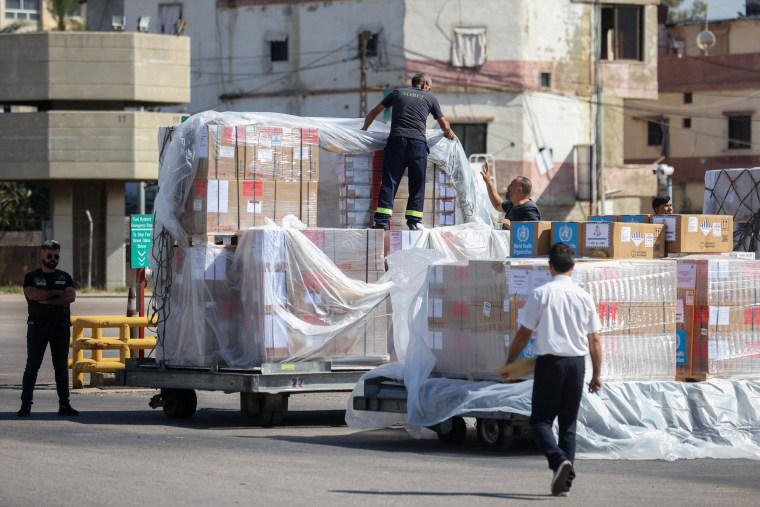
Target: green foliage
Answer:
pixel 697 12
pixel 23 206
pixel 61 11
pixel 13 27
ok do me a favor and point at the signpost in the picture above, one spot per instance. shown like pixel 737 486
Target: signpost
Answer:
pixel 141 227
pixel 142 237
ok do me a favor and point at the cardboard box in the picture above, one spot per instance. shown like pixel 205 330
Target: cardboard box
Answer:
pixel 697 233
pixel 565 232
pixel 217 147
pixel 275 200
pixel 211 208
pixel 639 219
pixel 351 249
pixel 530 239
pixel 622 240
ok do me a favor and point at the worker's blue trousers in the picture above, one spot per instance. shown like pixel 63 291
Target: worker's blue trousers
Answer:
pixel 402 153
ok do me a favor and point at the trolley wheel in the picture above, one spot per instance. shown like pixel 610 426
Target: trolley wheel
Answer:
pixel 457 434
pixel 264 410
pixel 267 417
pixel 494 434
pixel 179 403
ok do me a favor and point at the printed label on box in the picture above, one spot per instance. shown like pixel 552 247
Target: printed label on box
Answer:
pixel 253 207
pixel 202 143
pixel 637 238
pixel 687 275
pixel 218 196
pixel 693 225
pixel 264 139
pixel 716 230
pixel 567 233
pixel 689 298
pixel 528 350
pixel 680 347
pixel 649 240
pixel 301 153
pixel 226 151
pixel 264 155
pixel 633 219
pixel 519 281
pixel 486 309
pixel 522 242
pixel 679 311
pixel 705 227
pixel 625 235
pixel 538 278
pixel 435 340
pixel 670 226
pixel 506 303
pixel 601 219
pixel 197 204
pixel 597 235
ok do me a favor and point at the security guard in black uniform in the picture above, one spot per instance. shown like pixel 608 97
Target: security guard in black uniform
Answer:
pixel 49 292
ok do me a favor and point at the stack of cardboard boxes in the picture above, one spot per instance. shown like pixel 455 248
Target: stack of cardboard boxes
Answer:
pixel 718 317
pixel 360 186
pixel 474 308
pixel 247 174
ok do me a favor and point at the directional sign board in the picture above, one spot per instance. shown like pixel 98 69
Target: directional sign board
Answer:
pixel 142 236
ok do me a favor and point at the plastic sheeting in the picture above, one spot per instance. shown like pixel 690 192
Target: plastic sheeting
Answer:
pixel 736 192
pixel 633 420
pixel 626 420
pixel 179 158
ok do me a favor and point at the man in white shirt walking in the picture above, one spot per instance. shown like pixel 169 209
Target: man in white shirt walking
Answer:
pixel 567 326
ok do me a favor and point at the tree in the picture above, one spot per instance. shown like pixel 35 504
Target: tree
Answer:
pixel 697 12
pixel 23 206
pixel 62 10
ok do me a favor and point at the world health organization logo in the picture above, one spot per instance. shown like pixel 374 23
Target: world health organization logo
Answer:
pixel 523 234
pixel 565 233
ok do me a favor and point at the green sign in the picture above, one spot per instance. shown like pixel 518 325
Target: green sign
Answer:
pixel 142 237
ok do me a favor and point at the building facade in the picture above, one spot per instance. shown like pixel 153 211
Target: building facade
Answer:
pixel 87 127
pixel 705 117
pixel 518 79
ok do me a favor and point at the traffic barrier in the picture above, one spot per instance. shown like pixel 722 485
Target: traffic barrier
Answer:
pixel 96 344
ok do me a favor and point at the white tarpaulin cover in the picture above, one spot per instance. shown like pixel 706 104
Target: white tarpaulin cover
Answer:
pixel 631 420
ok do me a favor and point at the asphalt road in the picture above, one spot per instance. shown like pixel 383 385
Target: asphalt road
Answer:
pixel 121 453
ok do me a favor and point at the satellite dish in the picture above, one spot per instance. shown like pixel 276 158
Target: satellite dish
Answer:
pixel 705 40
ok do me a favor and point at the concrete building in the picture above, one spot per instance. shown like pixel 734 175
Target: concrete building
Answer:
pixel 88 129
pixel 516 78
pixel 705 117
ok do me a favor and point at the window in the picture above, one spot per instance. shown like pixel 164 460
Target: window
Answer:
pixel 656 130
pixel 169 16
pixel 469 47
pixel 622 32
pixel 472 136
pixel 278 47
pixel 22 9
pixel 372 44
pixel 546 80
pixel 686 123
pixel 739 132
pixel 687 98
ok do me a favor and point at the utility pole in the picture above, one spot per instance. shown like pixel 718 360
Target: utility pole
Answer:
pixel 599 143
pixel 363 39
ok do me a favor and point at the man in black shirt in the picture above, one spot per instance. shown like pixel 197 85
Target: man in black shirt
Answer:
pixel 517 206
pixel 406 147
pixel 49 292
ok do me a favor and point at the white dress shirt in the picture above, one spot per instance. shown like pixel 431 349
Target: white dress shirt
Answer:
pixel 562 314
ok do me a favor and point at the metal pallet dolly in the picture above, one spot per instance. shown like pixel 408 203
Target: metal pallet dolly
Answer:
pixel 263 391
pixel 496 430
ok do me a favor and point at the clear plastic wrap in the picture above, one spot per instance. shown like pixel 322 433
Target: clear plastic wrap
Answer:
pixel 718 318
pixel 182 157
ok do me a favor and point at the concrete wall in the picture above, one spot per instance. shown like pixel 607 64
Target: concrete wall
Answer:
pixel 117 67
pixel 116 145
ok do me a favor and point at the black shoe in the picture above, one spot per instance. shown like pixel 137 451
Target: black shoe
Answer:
pixel 25 410
pixel 65 409
pixel 560 478
pixel 414 227
pixel 381 226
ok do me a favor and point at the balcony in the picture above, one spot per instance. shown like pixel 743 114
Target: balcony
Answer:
pixel 94 70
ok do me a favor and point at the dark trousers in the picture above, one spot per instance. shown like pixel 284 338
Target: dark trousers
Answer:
pixel 402 153
pixel 37 339
pixel 557 392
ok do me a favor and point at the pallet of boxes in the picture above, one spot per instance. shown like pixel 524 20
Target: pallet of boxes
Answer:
pixel 246 292
pixel 674 300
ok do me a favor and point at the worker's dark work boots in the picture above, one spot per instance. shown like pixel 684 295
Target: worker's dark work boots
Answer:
pixel 65 409
pixel 381 226
pixel 25 410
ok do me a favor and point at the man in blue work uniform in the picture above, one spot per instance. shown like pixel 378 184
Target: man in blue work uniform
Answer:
pixel 406 147
pixel 49 292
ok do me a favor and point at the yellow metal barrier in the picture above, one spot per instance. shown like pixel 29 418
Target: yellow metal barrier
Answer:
pixel 97 344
